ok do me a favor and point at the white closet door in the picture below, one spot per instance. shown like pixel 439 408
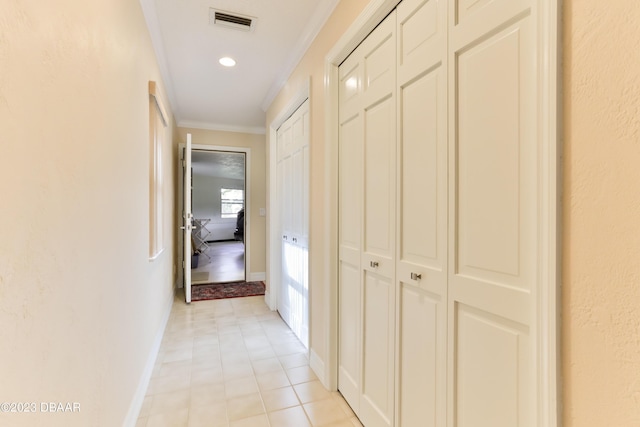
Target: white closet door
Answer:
pixel 422 213
pixel 378 255
pixel 293 187
pixel 299 233
pixel 284 199
pixel 350 175
pixel 493 214
pixel 367 226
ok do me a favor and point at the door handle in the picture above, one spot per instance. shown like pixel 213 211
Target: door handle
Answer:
pixel 374 264
pixel 415 276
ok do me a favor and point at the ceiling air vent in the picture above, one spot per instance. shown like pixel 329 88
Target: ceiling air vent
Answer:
pixel 231 20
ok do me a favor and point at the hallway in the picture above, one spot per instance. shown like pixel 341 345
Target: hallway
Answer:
pixel 235 363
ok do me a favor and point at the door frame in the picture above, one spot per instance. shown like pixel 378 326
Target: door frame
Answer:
pixel 549 255
pixel 274 256
pixel 247 198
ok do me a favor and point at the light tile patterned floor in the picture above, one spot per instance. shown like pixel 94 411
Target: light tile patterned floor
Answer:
pixel 235 363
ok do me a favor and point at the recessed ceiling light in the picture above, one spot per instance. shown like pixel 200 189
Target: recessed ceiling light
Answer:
pixel 227 62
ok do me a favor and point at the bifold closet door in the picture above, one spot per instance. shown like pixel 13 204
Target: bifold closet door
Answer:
pixel 494 222
pixel 367 226
pixel 293 196
pixel 421 272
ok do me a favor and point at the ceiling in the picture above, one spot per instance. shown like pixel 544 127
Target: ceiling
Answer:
pixel 204 94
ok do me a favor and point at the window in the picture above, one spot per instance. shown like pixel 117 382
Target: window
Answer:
pixel 231 201
pixel 157 125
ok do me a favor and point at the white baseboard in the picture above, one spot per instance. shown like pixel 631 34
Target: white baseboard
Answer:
pixel 267 300
pixel 138 398
pixel 256 277
pixel 317 365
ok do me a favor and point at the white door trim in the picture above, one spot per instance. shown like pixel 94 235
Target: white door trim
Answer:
pixel 550 255
pixel 549 233
pixel 273 238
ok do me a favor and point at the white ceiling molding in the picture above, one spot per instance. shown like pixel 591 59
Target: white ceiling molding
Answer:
pixel 154 91
pixel 150 16
pixel 319 18
pixel 256 130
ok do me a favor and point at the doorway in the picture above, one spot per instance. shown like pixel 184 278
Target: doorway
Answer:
pixel 219 195
pixel 218 198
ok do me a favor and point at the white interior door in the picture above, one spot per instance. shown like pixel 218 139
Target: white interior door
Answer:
pixel 350 214
pixel 293 195
pixel 367 267
pixel 378 254
pixel 421 272
pixel 187 217
pixel 493 214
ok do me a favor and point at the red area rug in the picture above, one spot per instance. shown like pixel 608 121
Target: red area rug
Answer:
pixel 226 290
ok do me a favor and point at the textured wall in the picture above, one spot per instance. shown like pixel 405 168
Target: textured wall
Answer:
pixel 601 306
pixel 80 303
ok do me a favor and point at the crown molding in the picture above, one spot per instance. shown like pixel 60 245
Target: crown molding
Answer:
pixel 151 17
pixel 319 18
pixel 256 130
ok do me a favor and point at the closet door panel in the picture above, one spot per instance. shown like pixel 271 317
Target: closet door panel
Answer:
pixel 379 196
pixel 379 110
pixel 377 407
pixel 420 363
pixel 421 271
pixel 494 217
pixel 306 183
pixel 379 193
pixel 350 275
pixel 378 63
pixel 350 337
pixel 422 199
pixel 421 31
pixel 350 87
pixel 350 182
pixel 495 173
pixel 284 296
pixel 493 377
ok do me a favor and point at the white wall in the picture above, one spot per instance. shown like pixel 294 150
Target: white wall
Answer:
pixel 206 204
pixel 81 305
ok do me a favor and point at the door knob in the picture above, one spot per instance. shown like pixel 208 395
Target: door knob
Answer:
pixel 415 276
pixel 374 264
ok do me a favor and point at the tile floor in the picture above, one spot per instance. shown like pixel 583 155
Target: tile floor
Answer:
pixel 235 363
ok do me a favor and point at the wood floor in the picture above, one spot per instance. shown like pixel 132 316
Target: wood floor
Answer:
pixel 222 262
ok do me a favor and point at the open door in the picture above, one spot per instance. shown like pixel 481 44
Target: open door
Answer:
pixel 187 217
